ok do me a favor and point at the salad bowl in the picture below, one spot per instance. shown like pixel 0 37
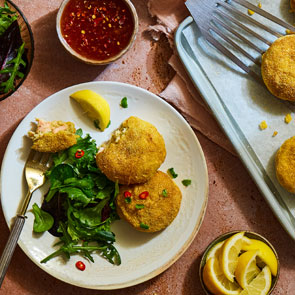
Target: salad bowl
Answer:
pixel 28 40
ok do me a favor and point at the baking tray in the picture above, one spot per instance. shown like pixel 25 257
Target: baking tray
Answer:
pixel 281 202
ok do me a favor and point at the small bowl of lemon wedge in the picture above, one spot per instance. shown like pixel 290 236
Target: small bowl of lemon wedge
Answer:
pixel 239 263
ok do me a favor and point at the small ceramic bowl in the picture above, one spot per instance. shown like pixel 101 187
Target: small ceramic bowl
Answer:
pixel 27 37
pixel 96 61
pixel 223 237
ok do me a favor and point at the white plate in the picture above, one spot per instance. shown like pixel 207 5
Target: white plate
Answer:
pixel 143 255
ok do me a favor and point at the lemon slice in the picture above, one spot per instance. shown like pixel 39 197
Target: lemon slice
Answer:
pixel 229 255
pixel 95 106
pixel 247 269
pixel 260 285
pixel 215 251
pixel 215 280
pixel 265 253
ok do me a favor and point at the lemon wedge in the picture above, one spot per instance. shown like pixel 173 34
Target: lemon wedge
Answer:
pixel 260 285
pixel 215 251
pixel 95 106
pixel 247 269
pixel 265 253
pixel 229 255
pixel 215 280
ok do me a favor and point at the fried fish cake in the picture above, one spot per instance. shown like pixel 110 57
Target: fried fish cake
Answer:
pixel 151 206
pixel 285 163
pixel 134 153
pixel 278 68
pixel 53 136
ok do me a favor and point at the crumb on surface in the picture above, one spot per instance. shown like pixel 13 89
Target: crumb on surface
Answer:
pixel 288 118
pixel 250 12
pixel 275 133
pixel 263 125
pixel 289 32
pixel 259 5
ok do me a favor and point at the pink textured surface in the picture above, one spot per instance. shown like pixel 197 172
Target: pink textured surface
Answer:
pixel 234 201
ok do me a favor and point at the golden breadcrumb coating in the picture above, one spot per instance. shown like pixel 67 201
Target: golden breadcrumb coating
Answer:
pixel 53 136
pixel 134 153
pixel 159 210
pixel 285 163
pixel 278 68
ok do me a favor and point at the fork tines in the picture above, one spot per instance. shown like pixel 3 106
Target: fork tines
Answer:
pixel 39 159
pixel 226 25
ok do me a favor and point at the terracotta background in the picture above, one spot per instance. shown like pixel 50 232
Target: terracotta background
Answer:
pixel 234 201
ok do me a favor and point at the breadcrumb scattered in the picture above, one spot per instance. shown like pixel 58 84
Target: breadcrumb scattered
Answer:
pixel 289 32
pixel 263 125
pixel 275 133
pixel 288 118
pixel 250 12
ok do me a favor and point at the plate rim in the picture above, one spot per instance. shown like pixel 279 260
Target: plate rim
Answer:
pixel 183 248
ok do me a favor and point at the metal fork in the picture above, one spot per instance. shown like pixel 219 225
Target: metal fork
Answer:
pixel 216 18
pixel 36 165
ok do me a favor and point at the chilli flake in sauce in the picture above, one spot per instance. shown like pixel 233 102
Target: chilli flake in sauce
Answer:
pixel 97 29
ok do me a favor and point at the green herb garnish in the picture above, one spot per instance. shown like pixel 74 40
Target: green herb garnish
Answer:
pixel 164 193
pixel 139 206
pixel 144 226
pixel 43 221
pixel 186 182
pixel 124 103
pixel 96 124
pixel 128 200
pixel 172 172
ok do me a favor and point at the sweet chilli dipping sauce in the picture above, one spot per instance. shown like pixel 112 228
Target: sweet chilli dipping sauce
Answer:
pixel 97 29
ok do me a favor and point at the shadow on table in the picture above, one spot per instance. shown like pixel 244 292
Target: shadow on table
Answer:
pixel 53 67
pixel 192 285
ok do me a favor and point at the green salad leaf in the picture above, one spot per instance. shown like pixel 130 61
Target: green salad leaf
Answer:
pixel 43 221
pixel 91 216
pixel 12 68
pixel 87 200
pixel 7 17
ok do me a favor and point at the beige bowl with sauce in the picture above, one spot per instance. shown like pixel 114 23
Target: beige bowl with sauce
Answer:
pixel 101 57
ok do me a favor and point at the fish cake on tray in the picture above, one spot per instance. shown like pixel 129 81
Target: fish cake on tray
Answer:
pixel 278 68
pixel 285 163
pixel 133 154
pixel 151 206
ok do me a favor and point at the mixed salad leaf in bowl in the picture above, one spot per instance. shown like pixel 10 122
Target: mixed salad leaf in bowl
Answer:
pixel 80 204
pixel 16 48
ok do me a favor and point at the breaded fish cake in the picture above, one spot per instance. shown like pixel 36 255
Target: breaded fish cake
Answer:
pixel 285 163
pixel 53 136
pixel 154 212
pixel 278 68
pixel 134 153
